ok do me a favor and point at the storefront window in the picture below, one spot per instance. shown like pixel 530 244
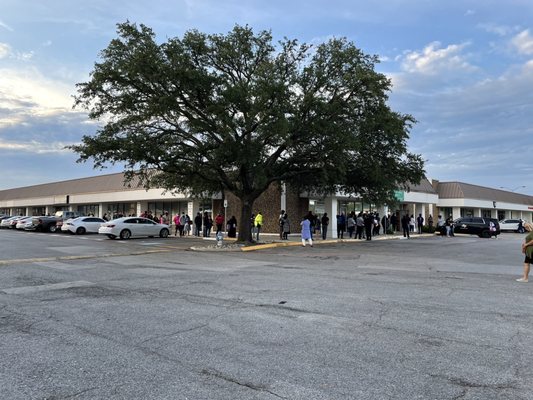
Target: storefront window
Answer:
pixel 117 210
pixel 38 211
pixel 89 209
pixel 445 212
pixel 173 207
pixel 317 207
pixel 355 206
pixel 467 212
pixel 486 213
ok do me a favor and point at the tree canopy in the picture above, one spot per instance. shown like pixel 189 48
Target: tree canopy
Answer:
pixel 238 112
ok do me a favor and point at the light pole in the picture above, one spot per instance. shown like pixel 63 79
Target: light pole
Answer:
pixel 512 190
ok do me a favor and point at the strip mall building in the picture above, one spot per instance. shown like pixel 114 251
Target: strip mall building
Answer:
pixel 107 194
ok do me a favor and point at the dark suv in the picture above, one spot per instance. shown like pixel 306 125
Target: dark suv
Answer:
pixel 483 227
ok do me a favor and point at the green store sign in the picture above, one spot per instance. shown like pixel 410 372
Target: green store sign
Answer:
pixel 398 195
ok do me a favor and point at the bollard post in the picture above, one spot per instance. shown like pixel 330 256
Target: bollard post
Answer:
pixel 220 239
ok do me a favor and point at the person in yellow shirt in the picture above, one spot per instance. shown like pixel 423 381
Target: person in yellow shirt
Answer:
pixel 258 222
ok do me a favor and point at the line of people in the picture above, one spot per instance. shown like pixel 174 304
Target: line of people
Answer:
pixel 200 226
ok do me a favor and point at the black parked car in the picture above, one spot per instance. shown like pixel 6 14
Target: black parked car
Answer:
pixel 43 224
pixel 483 227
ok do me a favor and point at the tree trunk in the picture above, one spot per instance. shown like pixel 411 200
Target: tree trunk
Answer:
pixel 245 223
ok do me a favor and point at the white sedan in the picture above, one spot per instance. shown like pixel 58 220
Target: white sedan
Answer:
pixel 82 225
pixel 6 223
pixel 24 223
pixel 127 227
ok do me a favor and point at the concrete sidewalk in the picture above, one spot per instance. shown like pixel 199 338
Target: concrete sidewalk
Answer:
pixel 268 241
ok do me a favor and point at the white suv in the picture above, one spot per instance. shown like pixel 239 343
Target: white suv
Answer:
pixel 510 225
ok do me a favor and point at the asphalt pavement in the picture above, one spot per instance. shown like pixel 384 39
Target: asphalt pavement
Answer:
pixel 425 318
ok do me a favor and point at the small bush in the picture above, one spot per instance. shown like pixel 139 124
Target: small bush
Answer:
pixel 428 229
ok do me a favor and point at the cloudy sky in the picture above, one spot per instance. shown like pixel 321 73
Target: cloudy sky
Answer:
pixel 462 68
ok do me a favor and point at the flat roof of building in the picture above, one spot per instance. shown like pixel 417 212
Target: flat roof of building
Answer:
pixel 101 183
pixel 461 190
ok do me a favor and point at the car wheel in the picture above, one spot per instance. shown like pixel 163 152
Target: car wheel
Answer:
pixel 163 233
pixel 111 236
pixel 125 234
pixel 52 228
pixel 485 234
pixel 80 230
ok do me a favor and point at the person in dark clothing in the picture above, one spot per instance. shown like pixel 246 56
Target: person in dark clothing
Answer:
pixel 232 227
pixel 420 222
pixel 405 225
pixel 207 227
pixel 369 224
pixel 341 225
pixel 286 227
pixel 325 223
pixel 197 224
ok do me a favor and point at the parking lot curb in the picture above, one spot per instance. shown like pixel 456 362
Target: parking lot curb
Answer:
pixel 321 242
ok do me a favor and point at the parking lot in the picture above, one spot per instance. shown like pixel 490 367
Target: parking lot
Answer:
pixel 84 317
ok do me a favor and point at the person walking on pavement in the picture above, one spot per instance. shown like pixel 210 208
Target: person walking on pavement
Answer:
pixel 527 249
pixel 306 231
pixel 405 225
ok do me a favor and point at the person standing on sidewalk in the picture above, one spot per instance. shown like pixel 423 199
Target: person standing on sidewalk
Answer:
pixel 258 223
pixel 420 223
pixel 232 227
pixel 325 223
pixel 341 225
pixel 369 224
pixel 351 224
pixel 197 224
pixel 359 226
pixel 280 223
pixel 286 226
pixel 219 222
pixel 527 249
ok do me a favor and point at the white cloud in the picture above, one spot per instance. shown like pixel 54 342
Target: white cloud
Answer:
pixel 523 42
pixel 34 147
pixel 434 59
pixel 5 50
pixel 500 30
pixel 41 95
pixel 5 26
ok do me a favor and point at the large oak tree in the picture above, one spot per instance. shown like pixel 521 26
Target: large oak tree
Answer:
pixel 238 112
